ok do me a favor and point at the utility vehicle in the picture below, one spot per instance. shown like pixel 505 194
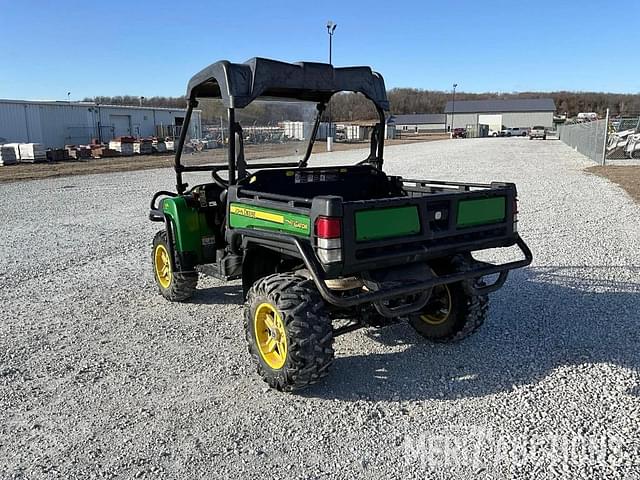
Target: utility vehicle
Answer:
pixel 324 250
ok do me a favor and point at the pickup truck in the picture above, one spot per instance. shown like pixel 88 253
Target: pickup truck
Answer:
pixel 514 132
pixel 538 132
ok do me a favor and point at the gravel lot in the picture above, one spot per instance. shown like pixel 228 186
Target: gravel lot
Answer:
pixel 102 378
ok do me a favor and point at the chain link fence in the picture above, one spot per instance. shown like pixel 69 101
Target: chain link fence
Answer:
pixel 602 140
pixel 588 138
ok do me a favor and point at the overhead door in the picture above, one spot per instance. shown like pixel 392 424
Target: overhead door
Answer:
pixel 121 125
pixel 494 121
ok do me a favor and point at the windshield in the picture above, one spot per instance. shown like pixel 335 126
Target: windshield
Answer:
pixel 271 129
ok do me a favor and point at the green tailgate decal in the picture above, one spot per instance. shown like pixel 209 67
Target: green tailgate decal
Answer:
pixel 380 223
pixel 481 211
pixel 249 216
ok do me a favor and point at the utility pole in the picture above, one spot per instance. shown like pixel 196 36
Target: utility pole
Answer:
pixel 453 108
pixel 331 28
pixel 606 138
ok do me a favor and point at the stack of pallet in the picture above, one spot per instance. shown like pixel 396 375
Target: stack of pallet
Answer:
pixel 159 146
pixel 7 155
pixel 16 150
pixel 102 151
pixel 124 145
pixel 57 155
pixel 143 147
pixel 80 152
pixel 32 153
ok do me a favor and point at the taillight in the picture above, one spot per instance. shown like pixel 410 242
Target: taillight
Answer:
pixel 329 242
pixel 515 215
pixel 328 227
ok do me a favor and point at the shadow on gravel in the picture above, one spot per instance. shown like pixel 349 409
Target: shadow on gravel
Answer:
pixel 543 319
pixel 222 295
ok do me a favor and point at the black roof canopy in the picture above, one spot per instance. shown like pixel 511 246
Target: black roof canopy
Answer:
pixel 238 84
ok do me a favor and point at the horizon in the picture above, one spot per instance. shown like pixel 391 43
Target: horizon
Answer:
pixel 90 99
pixel 428 46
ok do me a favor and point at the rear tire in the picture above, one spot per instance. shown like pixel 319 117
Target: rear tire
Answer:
pixel 453 313
pixel 288 331
pixel 175 287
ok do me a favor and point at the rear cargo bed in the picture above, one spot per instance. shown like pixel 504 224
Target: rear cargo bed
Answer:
pixel 434 219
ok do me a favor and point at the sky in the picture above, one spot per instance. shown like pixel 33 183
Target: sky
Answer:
pixel 151 48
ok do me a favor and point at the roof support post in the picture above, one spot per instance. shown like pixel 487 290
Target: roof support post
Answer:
pixel 181 187
pixel 232 146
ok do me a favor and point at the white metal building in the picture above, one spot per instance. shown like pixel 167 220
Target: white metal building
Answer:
pixel 521 113
pixel 418 122
pixel 56 124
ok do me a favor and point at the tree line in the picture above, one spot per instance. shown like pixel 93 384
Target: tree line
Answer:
pixel 352 106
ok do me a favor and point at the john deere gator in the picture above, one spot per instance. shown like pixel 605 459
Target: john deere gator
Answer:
pixel 323 248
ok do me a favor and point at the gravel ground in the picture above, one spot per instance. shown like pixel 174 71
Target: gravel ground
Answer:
pixel 102 378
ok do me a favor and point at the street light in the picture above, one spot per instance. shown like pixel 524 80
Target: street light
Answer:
pixel 453 108
pixel 331 28
pixel 68 96
pixel 141 100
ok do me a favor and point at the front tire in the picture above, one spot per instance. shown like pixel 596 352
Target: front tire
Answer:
pixel 175 287
pixel 288 331
pixel 453 313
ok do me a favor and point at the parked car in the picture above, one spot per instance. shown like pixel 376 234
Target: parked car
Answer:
pixel 538 132
pixel 514 132
pixel 459 133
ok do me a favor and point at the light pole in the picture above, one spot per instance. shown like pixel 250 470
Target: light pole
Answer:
pixel 68 96
pixel 331 28
pixel 453 108
pixel 141 100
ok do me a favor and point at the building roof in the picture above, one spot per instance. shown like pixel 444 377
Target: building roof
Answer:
pixel 62 103
pixel 498 105
pixel 417 119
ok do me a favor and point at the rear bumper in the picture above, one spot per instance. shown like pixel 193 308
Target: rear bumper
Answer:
pixel 319 277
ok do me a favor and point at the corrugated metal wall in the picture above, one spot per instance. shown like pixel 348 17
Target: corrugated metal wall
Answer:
pixel 509 119
pixel 528 119
pixel 423 127
pixel 58 124
pixel 461 120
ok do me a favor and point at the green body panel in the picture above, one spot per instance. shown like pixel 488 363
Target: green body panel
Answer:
pixel 381 223
pixel 242 215
pixel 190 226
pixel 481 211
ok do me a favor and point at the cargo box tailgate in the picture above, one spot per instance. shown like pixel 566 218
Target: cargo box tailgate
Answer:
pixel 428 224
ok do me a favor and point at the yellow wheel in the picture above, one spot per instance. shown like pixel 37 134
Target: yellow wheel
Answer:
pixel 271 336
pixel 288 331
pixel 453 312
pixel 438 309
pixel 162 263
pixel 174 286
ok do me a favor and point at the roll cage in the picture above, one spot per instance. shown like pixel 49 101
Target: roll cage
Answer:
pixel 239 84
